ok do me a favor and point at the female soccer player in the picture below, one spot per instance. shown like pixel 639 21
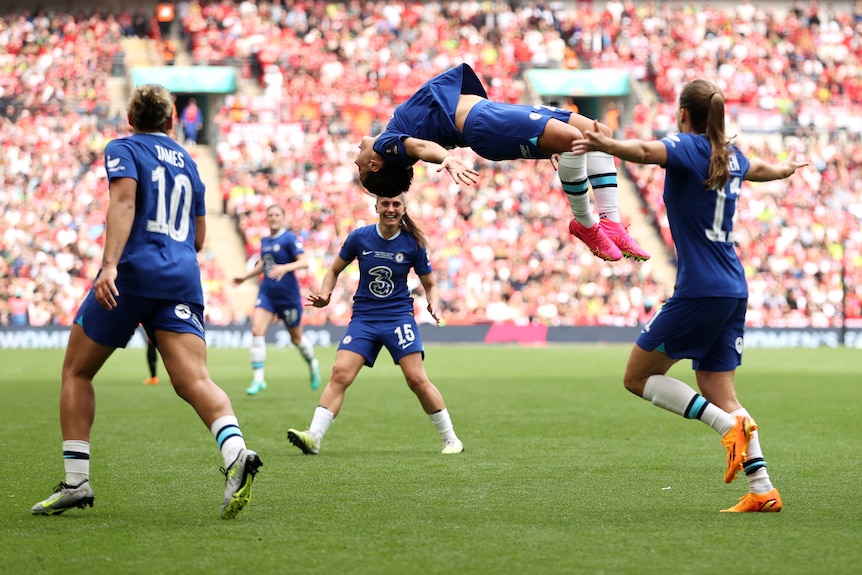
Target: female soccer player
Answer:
pixel 281 254
pixel 155 225
pixel 704 320
pixel 452 110
pixel 382 317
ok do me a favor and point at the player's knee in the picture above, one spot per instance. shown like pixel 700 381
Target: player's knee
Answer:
pixel 341 377
pixel 73 376
pixel 418 384
pixel 184 387
pixel 78 368
pixel 636 386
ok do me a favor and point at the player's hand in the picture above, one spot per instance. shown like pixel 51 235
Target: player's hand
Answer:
pixel 790 166
pixel 105 288
pixel 593 141
pixel 237 280
pixel 317 300
pixel 435 313
pixel 460 172
pixel 276 272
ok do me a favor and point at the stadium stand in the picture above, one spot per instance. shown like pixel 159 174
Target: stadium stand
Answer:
pixel 324 74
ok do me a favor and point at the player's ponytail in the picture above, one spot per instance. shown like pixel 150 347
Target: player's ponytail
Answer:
pixel 410 226
pixel 705 105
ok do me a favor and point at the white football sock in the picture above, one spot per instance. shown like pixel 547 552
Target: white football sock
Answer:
pixel 229 437
pixel 675 396
pixel 572 171
pixel 602 173
pixel 320 423
pixel 754 464
pixel 443 423
pixel 258 356
pixel 76 461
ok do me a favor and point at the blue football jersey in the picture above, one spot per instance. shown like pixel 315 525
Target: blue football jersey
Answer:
pixel 383 267
pixel 159 260
pixel 701 220
pixel 284 248
pixel 429 114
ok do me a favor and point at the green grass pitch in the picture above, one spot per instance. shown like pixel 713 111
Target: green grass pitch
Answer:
pixel 564 471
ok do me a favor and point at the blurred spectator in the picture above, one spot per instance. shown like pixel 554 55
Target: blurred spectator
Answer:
pixel 18 309
pixel 165 18
pixel 192 122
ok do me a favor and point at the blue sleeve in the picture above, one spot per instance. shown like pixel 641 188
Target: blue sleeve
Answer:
pixel 678 152
pixel 120 161
pixel 350 250
pixel 421 262
pixel 390 145
pixel 293 245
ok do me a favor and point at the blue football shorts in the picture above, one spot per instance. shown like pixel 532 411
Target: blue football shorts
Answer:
pixel 400 336
pixel 708 331
pixel 114 328
pixel 498 131
pixel 290 312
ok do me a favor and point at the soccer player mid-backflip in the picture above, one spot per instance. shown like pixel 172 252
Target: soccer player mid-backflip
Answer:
pixel 452 110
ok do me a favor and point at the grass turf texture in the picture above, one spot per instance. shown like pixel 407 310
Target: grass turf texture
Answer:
pixel 565 471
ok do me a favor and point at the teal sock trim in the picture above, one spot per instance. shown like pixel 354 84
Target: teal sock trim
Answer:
pixel 227 432
pixel 696 407
pixel 603 180
pixel 575 188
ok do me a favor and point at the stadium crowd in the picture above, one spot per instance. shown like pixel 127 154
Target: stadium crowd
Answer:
pixel 332 72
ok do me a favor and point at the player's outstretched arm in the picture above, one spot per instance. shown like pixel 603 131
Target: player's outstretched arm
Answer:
pixel 432 152
pixel 257 270
pixel 761 171
pixel 634 150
